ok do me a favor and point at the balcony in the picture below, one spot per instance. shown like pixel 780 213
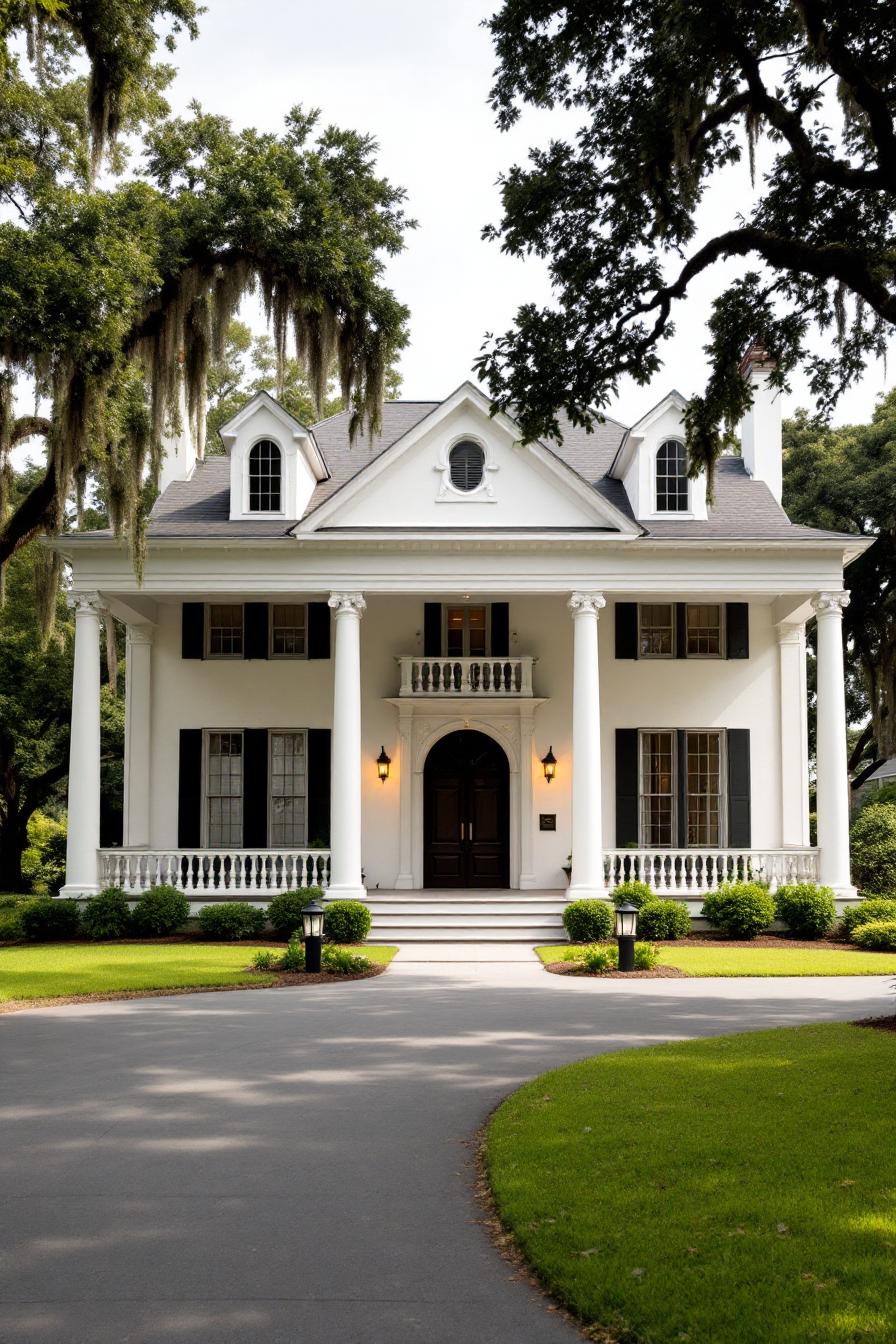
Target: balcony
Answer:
pixel 485 678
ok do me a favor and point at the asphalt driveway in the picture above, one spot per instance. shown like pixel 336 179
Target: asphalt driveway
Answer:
pixel 294 1165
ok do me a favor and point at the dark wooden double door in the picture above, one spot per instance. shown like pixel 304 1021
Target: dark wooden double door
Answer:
pixel 466 832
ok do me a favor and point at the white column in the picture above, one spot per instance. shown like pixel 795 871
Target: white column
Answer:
pixel 832 784
pixel 587 848
pixel 527 735
pixel 81 858
pixel 794 735
pixel 345 795
pixel 405 879
pixel 137 735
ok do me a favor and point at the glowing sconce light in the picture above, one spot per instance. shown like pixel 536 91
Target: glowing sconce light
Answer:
pixel 382 765
pixel 550 764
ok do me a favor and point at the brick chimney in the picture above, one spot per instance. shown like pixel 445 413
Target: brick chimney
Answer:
pixel 760 429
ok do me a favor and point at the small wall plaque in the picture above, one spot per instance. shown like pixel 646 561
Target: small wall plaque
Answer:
pixel 547 821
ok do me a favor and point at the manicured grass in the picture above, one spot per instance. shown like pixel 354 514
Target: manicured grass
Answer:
pixel 51 970
pixel 726 1191
pixel 721 960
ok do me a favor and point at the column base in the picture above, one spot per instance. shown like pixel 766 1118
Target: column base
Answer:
pixel 587 893
pixel 77 893
pixel 844 895
pixel 345 893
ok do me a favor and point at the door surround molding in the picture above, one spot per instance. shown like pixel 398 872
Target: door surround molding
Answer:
pixel 421 724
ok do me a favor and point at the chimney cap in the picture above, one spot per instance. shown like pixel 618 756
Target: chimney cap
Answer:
pixel 756 357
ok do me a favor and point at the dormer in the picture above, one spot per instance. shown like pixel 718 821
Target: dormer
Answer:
pixel 652 464
pixel 275 462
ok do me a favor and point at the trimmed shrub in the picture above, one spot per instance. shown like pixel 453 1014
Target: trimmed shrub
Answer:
pixel 869 910
pixel 160 911
pixel 107 915
pixel 232 920
pixel 285 910
pixel 50 919
pixel 293 958
pixel 265 960
pixel 346 922
pixel 606 957
pixel 807 909
pixel 633 893
pixel 664 919
pixel 873 846
pixel 739 909
pixel 878 936
pixel 588 921
pixel 339 961
pixel 11 909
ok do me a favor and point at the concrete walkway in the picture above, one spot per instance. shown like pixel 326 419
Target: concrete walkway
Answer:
pixel 294 1165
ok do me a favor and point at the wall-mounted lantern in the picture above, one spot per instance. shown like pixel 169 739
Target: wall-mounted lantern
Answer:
pixel 549 763
pixel 382 765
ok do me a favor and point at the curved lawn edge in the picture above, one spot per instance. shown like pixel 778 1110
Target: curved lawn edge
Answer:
pixel 702 1189
pixel 720 960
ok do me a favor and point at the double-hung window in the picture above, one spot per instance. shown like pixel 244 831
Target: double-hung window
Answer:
pixel 704 630
pixel 656 630
pixel 681 798
pixel 662 635
pixel 288 821
pixel 289 625
pixel 224 790
pixel 224 630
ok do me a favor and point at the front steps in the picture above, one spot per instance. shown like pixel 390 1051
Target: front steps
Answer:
pixel 466 916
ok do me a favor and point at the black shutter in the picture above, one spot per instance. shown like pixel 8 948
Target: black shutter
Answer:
pixel 192 630
pixel 255 788
pixel 432 629
pixel 737 628
pixel 189 789
pixel 739 828
pixel 317 786
pixel 681 786
pixel 500 630
pixel 255 643
pixel 626 629
pixel 318 630
pixel 681 629
pixel 627 792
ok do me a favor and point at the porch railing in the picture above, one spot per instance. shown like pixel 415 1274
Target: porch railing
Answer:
pixel 486 677
pixel 228 872
pixel 686 872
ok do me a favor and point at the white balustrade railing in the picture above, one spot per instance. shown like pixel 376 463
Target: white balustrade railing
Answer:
pixel 484 677
pixel 226 871
pixel 687 872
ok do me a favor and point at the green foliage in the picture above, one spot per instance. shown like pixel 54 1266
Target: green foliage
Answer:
pixel 285 910
pixel 232 920
pixel 633 893
pixel 877 936
pixel 265 960
pixel 873 848
pixel 605 957
pixel 664 919
pixel 107 915
pixel 11 909
pixel 342 961
pixel 807 909
pixel 870 910
pixel 739 909
pixel 346 922
pixel 159 911
pixel 885 794
pixel 43 862
pixel 588 921
pixel 50 920
pixel 293 958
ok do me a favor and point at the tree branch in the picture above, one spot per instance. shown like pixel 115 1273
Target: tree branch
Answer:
pixel 39 511
pixel 28 425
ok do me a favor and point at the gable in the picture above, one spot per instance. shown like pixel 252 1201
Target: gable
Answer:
pixel 522 486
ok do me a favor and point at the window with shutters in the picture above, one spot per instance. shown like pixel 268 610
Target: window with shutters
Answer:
pixel 704 788
pixel 664 796
pixel 705 630
pixel 265 472
pixel 466 632
pixel 288 810
pixel 672 495
pixel 657 789
pixel 224 790
pixel 289 624
pixel 466 465
pixel 656 630
pixel 224 630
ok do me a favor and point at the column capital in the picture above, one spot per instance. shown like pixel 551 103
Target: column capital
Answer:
pixel 579 603
pixel 140 634
pixel 791 632
pixel 85 602
pixel 343 602
pixel 826 604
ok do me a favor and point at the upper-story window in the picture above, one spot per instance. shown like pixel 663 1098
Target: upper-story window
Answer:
pixel 265 473
pixel 466 463
pixel 671 477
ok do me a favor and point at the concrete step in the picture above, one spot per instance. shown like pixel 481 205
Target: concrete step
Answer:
pixel 435 933
pixel 464 909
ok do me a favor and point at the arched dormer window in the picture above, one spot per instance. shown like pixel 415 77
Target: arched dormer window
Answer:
pixel 265 476
pixel 671 477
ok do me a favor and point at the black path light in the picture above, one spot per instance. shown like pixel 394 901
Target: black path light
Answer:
pixel 626 928
pixel 313 929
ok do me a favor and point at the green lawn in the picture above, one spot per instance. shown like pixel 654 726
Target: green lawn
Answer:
pixel 720 960
pixel 50 970
pixel 727 1191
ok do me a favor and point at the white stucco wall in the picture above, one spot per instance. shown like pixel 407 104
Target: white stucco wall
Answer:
pixel 298 694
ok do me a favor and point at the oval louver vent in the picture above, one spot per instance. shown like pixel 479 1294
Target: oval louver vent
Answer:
pixel 467 464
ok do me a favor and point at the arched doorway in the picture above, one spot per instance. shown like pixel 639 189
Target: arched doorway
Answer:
pixel 466 810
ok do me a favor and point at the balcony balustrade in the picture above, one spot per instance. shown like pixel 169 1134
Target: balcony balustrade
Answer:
pixel 481 677
pixel 230 872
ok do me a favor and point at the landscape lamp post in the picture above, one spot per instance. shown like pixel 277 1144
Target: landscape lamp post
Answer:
pixel 626 928
pixel 313 929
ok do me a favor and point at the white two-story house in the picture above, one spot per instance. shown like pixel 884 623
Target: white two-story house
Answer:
pixel 443 658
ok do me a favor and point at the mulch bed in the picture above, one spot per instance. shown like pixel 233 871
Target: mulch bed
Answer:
pixel 879 1023
pixel 576 968
pixel 764 940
